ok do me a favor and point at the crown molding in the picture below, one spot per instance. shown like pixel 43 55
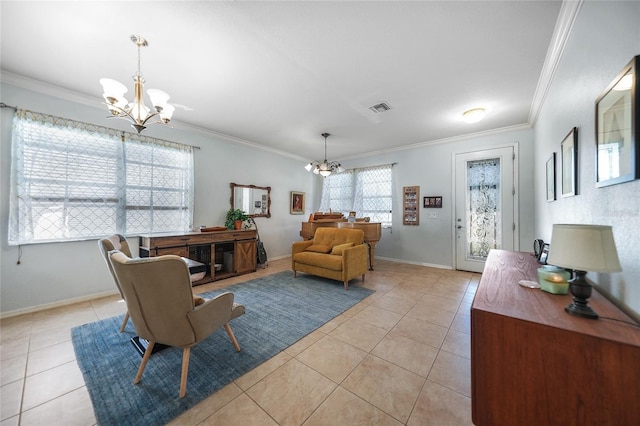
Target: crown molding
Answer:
pixel 564 24
pixel 91 101
pixel 452 139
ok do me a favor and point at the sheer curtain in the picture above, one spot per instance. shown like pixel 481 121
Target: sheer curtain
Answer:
pixel 367 191
pixel 72 181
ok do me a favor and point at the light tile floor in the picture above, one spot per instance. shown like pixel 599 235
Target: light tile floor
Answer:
pixel 400 357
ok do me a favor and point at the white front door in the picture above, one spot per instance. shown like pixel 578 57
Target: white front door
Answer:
pixel 484 205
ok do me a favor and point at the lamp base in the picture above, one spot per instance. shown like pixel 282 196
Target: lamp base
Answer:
pixel 581 311
pixel 581 291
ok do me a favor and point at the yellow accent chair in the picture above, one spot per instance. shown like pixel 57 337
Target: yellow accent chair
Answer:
pixel 160 302
pixel 334 253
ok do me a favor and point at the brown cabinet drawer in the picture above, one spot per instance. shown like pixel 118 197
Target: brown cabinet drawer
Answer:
pixel 175 240
pixel 178 251
pixel 219 237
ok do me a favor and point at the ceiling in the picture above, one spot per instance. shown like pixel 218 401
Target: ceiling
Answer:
pixel 278 74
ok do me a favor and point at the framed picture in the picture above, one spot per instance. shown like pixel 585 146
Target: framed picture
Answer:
pixel 432 202
pixel 296 204
pixel 551 178
pixel 617 138
pixel 569 151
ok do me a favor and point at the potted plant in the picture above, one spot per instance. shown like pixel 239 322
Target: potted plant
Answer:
pixel 235 218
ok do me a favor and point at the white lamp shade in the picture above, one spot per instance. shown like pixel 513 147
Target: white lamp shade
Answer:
pixel 158 97
pixel 584 248
pixel 113 88
pixel 116 105
pixel 166 112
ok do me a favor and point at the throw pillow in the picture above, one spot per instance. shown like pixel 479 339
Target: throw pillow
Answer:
pixel 337 250
pixel 319 248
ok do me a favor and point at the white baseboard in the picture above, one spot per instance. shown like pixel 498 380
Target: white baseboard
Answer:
pixel 409 262
pixel 37 308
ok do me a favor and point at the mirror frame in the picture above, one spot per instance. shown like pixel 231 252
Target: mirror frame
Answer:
pixel 265 188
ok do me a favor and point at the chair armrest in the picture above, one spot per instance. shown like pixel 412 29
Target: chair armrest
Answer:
pixel 211 315
pixel 355 257
pixel 299 246
pixel 237 310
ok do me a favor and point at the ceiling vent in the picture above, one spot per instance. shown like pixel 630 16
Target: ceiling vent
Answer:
pixel 381 107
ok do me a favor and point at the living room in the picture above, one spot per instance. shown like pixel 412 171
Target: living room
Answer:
pixel 602 39
pixel 569 103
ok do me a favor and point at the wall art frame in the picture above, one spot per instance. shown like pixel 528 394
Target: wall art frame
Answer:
pixel 551 178
pixel 433 202
pixel 569 161
pixel 296 202
pixel 617 128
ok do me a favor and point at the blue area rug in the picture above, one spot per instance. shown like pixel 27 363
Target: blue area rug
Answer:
pixel 280 311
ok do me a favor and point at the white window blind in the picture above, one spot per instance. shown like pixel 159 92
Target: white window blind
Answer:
pixel 366 191
pixel 75 181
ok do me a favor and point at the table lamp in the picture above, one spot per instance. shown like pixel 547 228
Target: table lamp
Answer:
pixel 583 248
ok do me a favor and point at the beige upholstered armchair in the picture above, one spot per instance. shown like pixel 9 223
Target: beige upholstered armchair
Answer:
pixel 160 302
pixel 119 242
pixel 115 242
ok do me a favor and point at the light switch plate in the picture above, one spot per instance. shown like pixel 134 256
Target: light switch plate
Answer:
pixel 432 215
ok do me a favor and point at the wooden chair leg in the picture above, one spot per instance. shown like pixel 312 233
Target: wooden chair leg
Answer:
pixel 124 322
pixel 185 371
pixel 295 274
pixel 362 277
pixel 236 346
pixel 143 364
pixel 346 285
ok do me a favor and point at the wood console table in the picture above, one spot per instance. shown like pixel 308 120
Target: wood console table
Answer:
pixel 234 251
pixel 534 364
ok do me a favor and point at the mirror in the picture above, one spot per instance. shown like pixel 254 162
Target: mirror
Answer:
pixel 253 200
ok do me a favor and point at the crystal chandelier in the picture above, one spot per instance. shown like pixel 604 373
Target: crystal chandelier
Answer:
pixel 324 167
pixel 136 112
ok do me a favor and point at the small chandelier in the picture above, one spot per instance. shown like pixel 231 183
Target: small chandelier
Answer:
pixel 136 111
pixel 324 167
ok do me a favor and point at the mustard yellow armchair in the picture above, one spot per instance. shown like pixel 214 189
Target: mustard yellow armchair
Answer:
pixel 160 302
pixel 334 253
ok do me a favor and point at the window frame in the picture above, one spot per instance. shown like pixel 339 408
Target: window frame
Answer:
pixel 355 200
pixel 54 171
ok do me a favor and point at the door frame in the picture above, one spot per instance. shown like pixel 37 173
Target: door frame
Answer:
pixel 516 196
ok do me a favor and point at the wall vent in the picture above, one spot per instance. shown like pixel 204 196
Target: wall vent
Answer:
pixel 381 107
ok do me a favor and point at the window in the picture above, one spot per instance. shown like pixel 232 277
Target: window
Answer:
pixel 366 191
pixel 75 181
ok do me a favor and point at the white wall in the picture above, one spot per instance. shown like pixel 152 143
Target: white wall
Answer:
pixel 605 36
pixel 431 168
pixel 56 272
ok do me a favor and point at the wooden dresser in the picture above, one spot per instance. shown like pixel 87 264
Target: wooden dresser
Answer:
pixel 534 364
pixel 233 251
